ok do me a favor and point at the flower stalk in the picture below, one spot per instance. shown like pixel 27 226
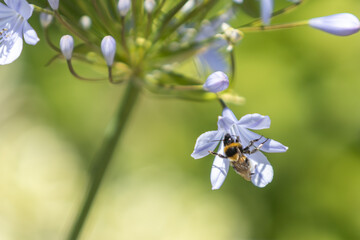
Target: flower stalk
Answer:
pixel 274 27
pixel 105 154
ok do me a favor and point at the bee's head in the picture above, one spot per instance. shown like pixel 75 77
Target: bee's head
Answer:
pixel 228 139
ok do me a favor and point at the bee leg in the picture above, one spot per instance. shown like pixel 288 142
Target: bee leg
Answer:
pixel 217 154
pixel 258 148
pixel 246 149
pixel 253 172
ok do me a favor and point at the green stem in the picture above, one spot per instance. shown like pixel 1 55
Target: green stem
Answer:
pixel 273 27
pixel 40 9
pixel 276 13
pixel 105 154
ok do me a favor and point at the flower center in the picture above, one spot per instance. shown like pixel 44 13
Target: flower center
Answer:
pixel 5 34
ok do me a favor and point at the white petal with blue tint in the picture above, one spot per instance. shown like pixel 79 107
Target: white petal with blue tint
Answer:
pixel 263 172
pixel 206 142
pixel 255 121
pixel 219 170
pixel 30 35
pixel 270 146
pixel 342 24
pixel 224 124
pixel 229 114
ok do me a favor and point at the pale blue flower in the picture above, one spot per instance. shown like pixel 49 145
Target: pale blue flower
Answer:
pixel 342 24
pixel 216 82
pixel 13 27
pixel 67 46
pixel 108 49
pixel 266 9
pixel 262 171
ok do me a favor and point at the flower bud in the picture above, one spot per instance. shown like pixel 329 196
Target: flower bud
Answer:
pixel 266 9
pixel 45 19
pixel 54 4
pixel 342 24
pixel 216 82
pixel 124 7
pixel 149 5
pixel 67 46
pixel 238 1
pixel 108 49
pixel 85 22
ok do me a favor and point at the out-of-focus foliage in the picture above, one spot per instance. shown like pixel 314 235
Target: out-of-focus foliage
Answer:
pixel 307 81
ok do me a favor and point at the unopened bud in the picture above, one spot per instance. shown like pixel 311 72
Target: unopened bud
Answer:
pixel 124 7
pixel 85 22
pixel 342 24
pixel 67 46
pixel 266 9
pixel 54 4
pixel 45 19
pixel 216 82
pixel 149 5
pixel 108 49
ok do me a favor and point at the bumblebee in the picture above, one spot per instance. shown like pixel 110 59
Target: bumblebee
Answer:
pixel 235 152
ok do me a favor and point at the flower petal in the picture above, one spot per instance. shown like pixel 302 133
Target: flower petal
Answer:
pixel 270 146
pixel 206 142
pixel 255 121
pixel 10 50
pixel 263 172
pixel 224 123
pixel 219 170
pixel 21 6
pixel 5 12
pixel 30 35
pixel 229 114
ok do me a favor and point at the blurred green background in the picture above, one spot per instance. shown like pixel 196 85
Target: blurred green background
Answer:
pixel 308 83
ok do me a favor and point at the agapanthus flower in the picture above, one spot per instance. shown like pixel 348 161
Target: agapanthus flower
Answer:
pixel 262 171
pixel 13 27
